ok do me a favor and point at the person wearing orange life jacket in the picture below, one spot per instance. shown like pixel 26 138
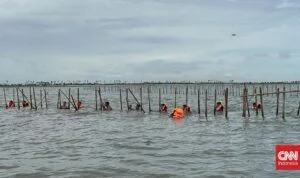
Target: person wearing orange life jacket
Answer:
pixel 178 113
pixel 64 106
pixel 186 108
pixel 256 106
pixel 79 105
pixel 106 107
pixel 25 104
pixel 219 107
pixel 11 104
pixel 163 108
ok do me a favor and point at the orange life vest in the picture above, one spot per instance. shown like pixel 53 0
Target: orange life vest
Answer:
pixel 178 113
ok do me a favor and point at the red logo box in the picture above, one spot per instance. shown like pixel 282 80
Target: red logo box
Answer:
pixel 287 157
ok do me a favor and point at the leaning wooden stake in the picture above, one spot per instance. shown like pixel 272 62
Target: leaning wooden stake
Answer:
pixel 69 99
pixel 283 104
pixel 76 108
pixel 261 103
pixel 23 95
pixel 136 100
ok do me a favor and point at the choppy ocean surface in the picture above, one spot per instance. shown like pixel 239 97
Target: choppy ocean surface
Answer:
pixel 64 143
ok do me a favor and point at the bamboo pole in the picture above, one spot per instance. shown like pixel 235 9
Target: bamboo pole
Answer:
pixel 100 98
pixel 199 101
pixel 58 106
pixel 23 95
pixel 78 95
pixel 298 112
pixel 18 98
pixel 69 100
pixel 226 103
pixel 149 100
pixel 186 95
pixel 244 103
pixel 247 103
pixel 41 98
pixel 46 102
pixel 30 96
pixel 159 99
pixel 206 103
pixel 175 98
pixel 14 97
pixel 5 98
pixel 127 101
pixel 277 102
pixel 121 104
pixel 141 97
pixel 283 104
pixel 256 111
pixel 215 101
pixel 262 104
pixel 34 98
pixel 96 99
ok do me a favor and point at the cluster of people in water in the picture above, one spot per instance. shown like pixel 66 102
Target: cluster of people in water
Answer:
pixel 104 107
pixel 177 113
pixel 11 104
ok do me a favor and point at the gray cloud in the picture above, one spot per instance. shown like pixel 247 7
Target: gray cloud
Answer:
pixel 132 39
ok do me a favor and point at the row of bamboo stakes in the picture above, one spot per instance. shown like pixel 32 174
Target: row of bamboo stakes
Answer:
pixel 31 100
pixel 170 89
pixel 98 102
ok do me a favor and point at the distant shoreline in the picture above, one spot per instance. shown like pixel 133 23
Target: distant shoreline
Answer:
pixel 48 84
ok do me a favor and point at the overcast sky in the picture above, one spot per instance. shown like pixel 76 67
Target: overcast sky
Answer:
pixel 149 40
